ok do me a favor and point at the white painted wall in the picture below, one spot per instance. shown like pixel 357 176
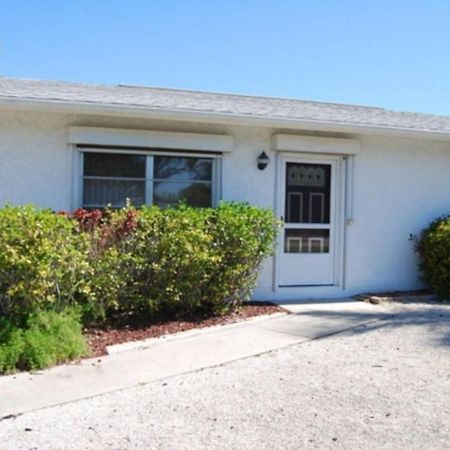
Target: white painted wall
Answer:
pixel 400 185
pixel 35 162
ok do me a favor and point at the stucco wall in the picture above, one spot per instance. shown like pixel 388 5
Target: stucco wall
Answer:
pixel 399 186
pixel 34 160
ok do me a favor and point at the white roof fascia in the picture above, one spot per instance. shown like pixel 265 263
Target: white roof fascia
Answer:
pixel 214 117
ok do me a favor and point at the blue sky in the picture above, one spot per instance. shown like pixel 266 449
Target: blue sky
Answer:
pixel 394 54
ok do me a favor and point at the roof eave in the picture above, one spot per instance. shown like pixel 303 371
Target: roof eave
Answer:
pixel 119 110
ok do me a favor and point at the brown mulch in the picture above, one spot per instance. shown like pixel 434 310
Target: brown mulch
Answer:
pixel 135 329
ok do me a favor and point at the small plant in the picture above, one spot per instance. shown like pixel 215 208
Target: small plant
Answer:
pixel 11 346
pixel 433 247
pixel 46 339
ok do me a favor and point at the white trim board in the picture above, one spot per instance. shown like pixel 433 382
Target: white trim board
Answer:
pixel 311 144
pixel 153 139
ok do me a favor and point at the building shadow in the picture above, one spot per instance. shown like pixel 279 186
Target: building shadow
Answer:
pixel 432 315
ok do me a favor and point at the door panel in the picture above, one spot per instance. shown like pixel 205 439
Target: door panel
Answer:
pixel 307 250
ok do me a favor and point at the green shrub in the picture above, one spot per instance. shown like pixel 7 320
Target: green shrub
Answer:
pixel 43 262
pixel 176 260
pixel 185 259
pixel 243 236
pixel 51 338
pixel 108 232
pixel 433 247
pixel 48 338
pixel 11 346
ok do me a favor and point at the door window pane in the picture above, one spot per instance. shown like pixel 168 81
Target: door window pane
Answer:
pixel 114 165
pixel 308 188
pixel 306 241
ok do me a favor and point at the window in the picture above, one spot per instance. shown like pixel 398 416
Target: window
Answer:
pixel 163 180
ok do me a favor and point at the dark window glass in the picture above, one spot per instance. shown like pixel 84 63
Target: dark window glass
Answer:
pixel 308 188
pixel 114 165
pixel 123 176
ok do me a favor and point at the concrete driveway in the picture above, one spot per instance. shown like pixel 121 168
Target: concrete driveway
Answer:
pixel 381 385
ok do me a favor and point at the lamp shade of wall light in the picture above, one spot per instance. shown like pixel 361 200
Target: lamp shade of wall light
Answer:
pixel 263 160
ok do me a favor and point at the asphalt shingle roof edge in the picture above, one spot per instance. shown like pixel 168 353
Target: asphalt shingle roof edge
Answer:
pixel 198 103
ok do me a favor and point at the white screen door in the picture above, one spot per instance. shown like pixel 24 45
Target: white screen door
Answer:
pixel 307 240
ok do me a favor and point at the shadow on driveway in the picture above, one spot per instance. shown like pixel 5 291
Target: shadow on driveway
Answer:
pixel 431 315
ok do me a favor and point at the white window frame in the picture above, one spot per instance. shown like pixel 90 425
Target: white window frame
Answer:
pixel 216 184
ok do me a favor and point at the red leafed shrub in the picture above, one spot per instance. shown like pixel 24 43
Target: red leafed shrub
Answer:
pixel 110 233
pixel 88 220
pixel 108 227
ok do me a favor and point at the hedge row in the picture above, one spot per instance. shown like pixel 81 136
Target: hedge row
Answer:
pixel 138 261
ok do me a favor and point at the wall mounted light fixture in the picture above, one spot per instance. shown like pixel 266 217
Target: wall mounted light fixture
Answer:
pixel 263 160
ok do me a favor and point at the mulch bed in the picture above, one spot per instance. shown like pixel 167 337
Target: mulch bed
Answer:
pixel 137 328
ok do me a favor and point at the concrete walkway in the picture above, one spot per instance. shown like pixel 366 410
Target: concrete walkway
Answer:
pixel 163 358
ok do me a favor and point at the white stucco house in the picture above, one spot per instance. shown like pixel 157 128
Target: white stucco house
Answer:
pixel 351 182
